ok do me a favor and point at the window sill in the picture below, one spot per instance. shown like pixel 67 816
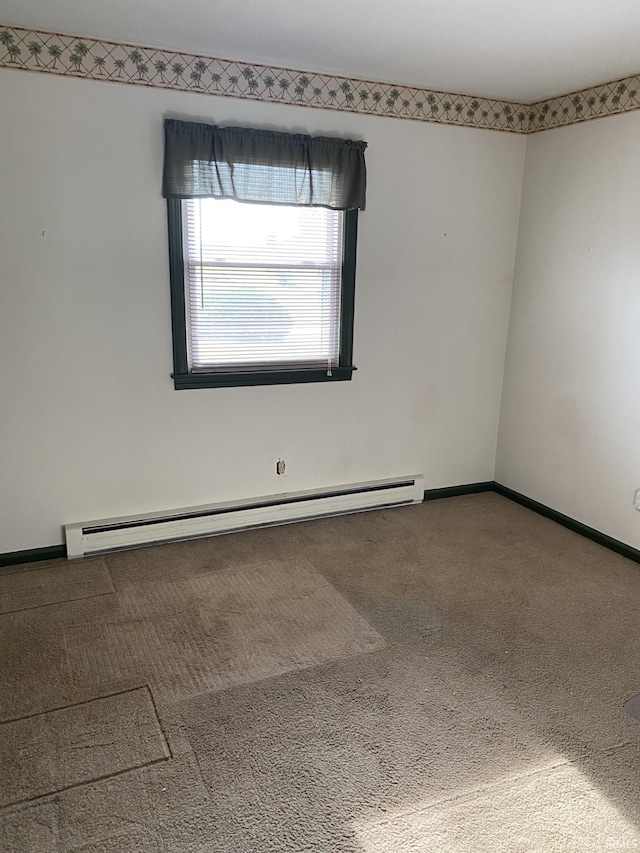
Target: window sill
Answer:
pixel 184 381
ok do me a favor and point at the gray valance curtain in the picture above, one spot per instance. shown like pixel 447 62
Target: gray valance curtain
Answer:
pixel 206 161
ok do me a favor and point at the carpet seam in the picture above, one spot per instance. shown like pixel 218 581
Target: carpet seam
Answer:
pixel 96 780
pixel 474 793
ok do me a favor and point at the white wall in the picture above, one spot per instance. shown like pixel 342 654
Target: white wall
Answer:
pixel 90 423
pixel 570 423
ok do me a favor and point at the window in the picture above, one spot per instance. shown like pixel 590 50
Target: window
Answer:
pixel 262 257
pixel 264 293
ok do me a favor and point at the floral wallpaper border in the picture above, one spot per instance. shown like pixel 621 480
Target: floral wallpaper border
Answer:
pixel 76 56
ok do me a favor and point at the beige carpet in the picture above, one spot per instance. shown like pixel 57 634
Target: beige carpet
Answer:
pixel 449 677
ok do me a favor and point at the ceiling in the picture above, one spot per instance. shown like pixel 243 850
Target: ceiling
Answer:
pixel 513 49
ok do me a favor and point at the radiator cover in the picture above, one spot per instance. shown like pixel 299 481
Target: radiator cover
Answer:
pixel 95 537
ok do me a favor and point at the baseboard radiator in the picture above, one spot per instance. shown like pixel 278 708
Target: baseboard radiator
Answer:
pixel 96 537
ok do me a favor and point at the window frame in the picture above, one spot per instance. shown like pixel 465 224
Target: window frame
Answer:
pixel 184 379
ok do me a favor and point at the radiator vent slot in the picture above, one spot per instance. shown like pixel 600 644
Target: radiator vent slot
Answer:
pixel 95 537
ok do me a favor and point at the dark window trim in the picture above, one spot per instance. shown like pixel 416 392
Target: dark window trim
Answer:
pixel 184 379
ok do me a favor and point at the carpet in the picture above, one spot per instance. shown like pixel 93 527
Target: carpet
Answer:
pixel 61 749
pixel 38 587
pixel 447 677
pixel 182 636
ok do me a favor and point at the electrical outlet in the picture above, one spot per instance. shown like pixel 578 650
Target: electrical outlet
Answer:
pixel 636 502
pixel 280 467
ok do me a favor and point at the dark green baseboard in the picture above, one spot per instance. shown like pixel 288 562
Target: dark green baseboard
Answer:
pixel 55 551
pixel 33 555
pixel 566 521
pixel 456 491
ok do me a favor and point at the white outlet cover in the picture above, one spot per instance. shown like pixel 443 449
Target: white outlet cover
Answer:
pixel 636 502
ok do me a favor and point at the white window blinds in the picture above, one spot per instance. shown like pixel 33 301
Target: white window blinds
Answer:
pixel 262 285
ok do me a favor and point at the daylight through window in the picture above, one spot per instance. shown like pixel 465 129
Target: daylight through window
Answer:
pixel 263 285
pixel 262 253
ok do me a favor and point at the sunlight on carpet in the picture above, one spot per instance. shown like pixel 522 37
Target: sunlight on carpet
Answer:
pixel 554 808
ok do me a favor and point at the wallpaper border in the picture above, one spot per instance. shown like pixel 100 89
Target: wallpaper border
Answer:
pixel 118 62
pixel 94 59
pixel 601 101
